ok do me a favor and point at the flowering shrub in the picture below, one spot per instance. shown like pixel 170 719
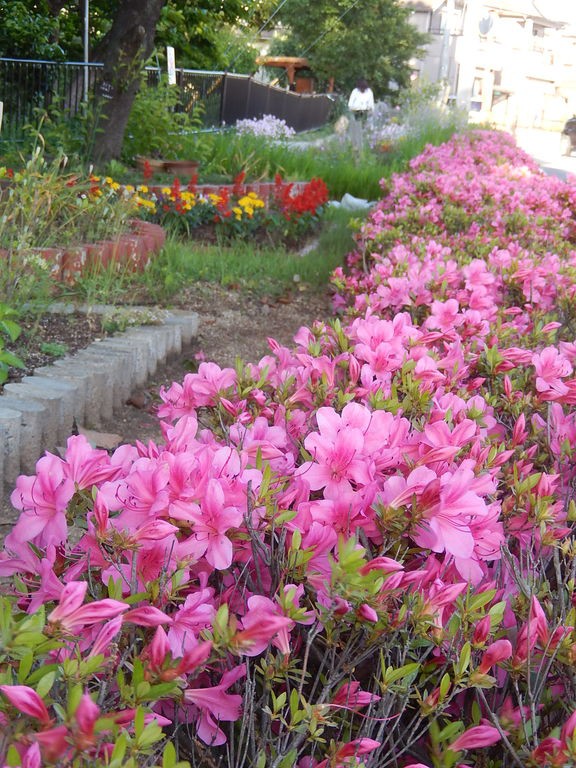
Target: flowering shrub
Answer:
pixel 267 127
pixel 42 205
pixel 357 551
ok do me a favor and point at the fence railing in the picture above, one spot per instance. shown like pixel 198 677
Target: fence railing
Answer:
pixel 28 86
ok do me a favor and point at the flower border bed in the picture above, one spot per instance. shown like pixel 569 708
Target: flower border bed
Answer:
pixel 131 250
pixel 359 549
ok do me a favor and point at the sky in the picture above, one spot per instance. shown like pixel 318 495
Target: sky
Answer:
pixel 558 10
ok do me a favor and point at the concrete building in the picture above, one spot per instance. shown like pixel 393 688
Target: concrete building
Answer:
pixel 510 62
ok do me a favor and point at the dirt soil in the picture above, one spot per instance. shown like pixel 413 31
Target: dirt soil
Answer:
pixel 232 324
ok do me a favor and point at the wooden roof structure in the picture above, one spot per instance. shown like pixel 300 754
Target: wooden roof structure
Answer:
pixel 289 63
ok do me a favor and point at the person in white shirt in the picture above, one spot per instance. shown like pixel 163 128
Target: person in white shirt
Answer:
pixel 361 101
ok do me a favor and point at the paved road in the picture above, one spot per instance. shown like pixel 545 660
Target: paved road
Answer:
pixel 544 146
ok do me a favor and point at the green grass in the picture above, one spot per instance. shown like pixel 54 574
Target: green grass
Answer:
pixel 343 167
pixel 264 270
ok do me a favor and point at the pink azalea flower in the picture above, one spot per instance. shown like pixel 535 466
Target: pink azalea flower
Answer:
pixel 104 638
pixel 338 451
pixel 27 701
pixel 215 705
pixel 43 499
pixel 86 715
pixel 31 757
pixel 551 367
pixel 54 743
pixel 194 615
pixel 262 624
pixel 350 696
pixel 347 753
pixel 500 650
pixel 146 616
pixel 71 615
pixel 85 465
pixel 211 524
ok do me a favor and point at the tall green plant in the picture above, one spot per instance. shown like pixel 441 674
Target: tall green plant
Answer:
pixel 9 329
pixel 159 126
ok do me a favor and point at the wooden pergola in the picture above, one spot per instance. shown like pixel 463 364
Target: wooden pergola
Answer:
pixel 291 64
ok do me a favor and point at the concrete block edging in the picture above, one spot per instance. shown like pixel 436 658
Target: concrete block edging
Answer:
pixel 88 387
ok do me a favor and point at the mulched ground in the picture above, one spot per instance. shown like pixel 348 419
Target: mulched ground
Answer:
pixel 50 336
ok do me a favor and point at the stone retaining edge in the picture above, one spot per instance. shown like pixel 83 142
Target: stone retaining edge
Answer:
pixel 37 414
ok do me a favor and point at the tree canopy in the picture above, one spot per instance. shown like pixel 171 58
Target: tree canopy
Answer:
pixel 348 39
pixel 199 30
pixel 124 34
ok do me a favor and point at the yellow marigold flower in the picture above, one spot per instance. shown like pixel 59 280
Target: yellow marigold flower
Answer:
pixel 165 190
pixel 214 198
pixel 142 188
pixel 129 188
pixel 108 179
pixel 237 211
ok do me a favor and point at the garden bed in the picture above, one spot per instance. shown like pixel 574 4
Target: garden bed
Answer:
pixel 358 548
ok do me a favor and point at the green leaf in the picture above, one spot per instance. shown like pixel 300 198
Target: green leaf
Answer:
pixel 289 760
pixel 11 329
pixel 45 684
pixel 393 675
pixel 480 600
pixel 463 661
pixel 449 732
pixel 445 684
pixel 169 756
pixel 25 665
pixel 74 698
pixel 8 358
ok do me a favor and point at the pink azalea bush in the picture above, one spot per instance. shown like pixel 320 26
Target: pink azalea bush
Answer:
pixel 356 551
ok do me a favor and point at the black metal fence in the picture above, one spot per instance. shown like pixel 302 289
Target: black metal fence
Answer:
pixel 29 86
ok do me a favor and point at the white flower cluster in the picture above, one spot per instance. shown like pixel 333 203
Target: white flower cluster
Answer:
pixel 268 127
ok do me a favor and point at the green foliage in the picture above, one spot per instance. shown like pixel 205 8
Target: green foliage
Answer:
pixel 54 348
pixel 208 35
pixel 28 30
pixel 264 270
pixel 46 205
pixel 9 329
pixel 227 154
pixel 347 40
pixel 158 127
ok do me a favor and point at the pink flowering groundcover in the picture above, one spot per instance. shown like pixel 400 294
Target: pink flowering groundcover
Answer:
pixel 356 551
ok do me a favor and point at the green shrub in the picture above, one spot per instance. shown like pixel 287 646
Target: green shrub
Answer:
pixel 158 127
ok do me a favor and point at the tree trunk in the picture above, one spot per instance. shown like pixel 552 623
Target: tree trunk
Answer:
pixel 124 52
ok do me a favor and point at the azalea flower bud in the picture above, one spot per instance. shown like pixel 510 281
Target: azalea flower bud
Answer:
pixel 341 606
pixel 475 737
pixel 26 701
pixel 354 369
pixel 481 631
pixel 367 613
pixel 497 651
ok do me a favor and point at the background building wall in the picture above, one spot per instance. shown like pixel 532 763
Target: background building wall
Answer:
pixel 504 60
